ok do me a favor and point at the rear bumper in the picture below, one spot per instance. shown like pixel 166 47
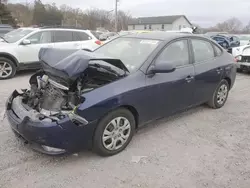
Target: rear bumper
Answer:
pixel 63 134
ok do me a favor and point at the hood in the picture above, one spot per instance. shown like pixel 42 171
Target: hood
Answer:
pixel 68 65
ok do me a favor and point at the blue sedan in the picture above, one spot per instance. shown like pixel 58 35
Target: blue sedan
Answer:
pixel 97 100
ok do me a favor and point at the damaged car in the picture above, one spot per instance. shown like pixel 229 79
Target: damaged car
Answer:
pixel 97 100
pixel 242 56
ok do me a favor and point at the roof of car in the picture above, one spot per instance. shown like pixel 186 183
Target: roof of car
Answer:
pixel 161 35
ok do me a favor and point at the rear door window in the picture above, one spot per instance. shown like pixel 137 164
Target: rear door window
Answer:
pixel 203 50
pixel 63 36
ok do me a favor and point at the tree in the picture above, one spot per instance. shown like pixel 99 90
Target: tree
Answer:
pixel 246 29
pixel 23 13
pixel 39 13
pixel 232 25
pixel 53 15
pixel 5 14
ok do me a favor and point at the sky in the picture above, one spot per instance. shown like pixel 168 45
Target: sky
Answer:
pixel 203 12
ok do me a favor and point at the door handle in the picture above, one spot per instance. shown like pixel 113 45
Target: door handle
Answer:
pixel 219 70
pixel 189 79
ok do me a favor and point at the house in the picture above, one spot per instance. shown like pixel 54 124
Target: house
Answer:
pixel 162 23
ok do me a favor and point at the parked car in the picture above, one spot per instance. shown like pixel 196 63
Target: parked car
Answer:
pixel 244 39
pixel 98 99
pixel 5 28
pixel 106 36
pixel 213 33
pixel 242 55
pixel 227 41
pixel 19 48
pixel 97 34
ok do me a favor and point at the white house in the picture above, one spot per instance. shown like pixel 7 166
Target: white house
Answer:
pixel 162 23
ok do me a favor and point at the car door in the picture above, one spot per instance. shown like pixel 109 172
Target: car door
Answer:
pixel 208 68
pixel 171 92
pixel 63 39
pixel 28 53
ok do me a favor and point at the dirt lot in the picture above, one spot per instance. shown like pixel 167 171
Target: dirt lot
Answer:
pixel 199 148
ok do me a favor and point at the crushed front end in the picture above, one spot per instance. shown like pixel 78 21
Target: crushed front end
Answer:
pixel 45 114
pixel 50 134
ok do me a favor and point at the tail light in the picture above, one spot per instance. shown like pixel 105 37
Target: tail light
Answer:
pixel 98 42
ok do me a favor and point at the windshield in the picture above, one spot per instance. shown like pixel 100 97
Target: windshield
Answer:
pixel 16 35
pixel 131 51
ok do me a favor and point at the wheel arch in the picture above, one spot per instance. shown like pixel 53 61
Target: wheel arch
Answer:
pixel 10 57
pixel 228 81
pixel 133 111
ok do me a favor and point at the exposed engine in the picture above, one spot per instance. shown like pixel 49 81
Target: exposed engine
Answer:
pixel 50 95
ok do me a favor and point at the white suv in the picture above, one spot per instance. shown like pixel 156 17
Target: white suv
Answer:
pixel 19 48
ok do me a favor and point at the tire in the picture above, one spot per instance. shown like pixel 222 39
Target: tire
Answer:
pixel 105 146
pixel 7 68
pixel 225 45
pixel 217 102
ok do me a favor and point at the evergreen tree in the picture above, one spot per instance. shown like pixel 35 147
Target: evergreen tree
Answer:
pixel 5 15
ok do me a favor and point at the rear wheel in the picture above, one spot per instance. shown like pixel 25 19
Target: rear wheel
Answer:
pixel 7 68
pixel 220 95
pixel 225 45
pixel 114 132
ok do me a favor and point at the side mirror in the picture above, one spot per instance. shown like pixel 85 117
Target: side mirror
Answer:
pixel 26 42
pixel 162 67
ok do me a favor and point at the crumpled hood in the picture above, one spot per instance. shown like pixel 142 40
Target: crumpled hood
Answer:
pixel 68 65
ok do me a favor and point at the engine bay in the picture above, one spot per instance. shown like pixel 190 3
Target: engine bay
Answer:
pixel 50 95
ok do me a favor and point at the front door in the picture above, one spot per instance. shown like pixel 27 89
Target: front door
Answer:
pixel 29 53
pixel 208 69
pixel 171 92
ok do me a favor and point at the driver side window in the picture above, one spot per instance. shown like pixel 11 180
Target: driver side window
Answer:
pixel 176 52
pixel 41 37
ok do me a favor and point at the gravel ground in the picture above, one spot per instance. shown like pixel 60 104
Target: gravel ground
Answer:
pixel 199 148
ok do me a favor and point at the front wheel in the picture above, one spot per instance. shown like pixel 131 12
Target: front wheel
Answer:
pixel 114 132
pixel 7 68
pixel 220 95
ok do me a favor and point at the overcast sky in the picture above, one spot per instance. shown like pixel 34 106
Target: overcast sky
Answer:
pixel 202 12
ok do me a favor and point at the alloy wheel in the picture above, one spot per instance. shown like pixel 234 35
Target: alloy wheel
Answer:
pixel 5 69
pixel 222 94
pixel 116 133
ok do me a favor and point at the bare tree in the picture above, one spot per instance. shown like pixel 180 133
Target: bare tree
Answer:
pixel 232 25
pixel 246 29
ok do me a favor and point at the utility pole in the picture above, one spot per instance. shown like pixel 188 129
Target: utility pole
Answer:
pixel 116 20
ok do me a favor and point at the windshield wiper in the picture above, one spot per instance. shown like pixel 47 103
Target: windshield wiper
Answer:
pixel 4 39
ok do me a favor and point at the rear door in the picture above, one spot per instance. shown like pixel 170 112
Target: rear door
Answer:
pixel 171 92
pixel 208 68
